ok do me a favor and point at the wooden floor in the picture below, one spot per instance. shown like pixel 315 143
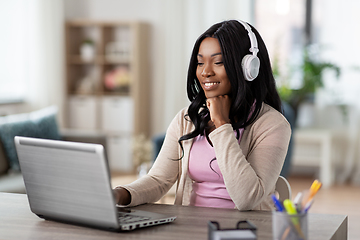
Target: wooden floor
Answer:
pixel 338 199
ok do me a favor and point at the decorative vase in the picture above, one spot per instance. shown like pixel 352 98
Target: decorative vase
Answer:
pixel 87 52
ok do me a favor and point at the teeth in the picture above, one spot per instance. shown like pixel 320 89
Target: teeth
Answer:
pixel 209 84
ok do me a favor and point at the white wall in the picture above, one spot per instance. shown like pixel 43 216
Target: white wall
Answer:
pixel 175 25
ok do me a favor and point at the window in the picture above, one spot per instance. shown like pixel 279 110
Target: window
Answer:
pixel 13 48
pixel 281 24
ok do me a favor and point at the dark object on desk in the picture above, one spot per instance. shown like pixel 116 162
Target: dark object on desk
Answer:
pixel 70 182
pixel 244 230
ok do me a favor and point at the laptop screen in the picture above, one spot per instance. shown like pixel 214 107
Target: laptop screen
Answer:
pixel 67 181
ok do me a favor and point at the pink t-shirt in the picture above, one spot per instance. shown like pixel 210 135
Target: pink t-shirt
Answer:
pixel 208 184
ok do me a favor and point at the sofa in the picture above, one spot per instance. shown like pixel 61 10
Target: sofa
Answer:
pixel 41 124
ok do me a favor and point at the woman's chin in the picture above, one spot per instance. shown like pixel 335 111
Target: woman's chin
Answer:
pixel 212 95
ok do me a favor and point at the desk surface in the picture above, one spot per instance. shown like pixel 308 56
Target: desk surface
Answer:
pixel 18 222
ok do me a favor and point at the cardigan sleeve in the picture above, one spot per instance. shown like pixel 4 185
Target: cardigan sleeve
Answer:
pixel 165 170
pixel 250 179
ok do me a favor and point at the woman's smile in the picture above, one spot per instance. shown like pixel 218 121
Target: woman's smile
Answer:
pixel 210 85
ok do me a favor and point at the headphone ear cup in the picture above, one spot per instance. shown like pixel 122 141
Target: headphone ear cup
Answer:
pixel 250 65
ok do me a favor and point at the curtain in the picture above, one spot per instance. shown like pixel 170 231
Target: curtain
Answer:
pixel 32 69
pixel 46 80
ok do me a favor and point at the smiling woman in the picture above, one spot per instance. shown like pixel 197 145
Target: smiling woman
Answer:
pixel 225 150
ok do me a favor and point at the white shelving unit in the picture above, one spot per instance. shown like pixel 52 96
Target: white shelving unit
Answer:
pixel 108 84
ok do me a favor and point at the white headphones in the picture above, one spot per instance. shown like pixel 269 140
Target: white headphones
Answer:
pixel 250 63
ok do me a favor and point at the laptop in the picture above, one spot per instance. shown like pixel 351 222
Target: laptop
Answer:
pixel 70 182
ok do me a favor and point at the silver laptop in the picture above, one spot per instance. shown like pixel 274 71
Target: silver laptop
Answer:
pixel 70 182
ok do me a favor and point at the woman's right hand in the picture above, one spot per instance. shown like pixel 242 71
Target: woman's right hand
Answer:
pixel 122 196
pixel 219 108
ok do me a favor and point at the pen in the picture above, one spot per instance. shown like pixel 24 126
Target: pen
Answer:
pixel 308 205
pixel 297 201
pixel 290 207
pixel 291 210
pixel 277 203
pixel 315 186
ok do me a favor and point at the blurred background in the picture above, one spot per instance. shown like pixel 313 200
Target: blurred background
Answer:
pixel 116 70
pixel 131 80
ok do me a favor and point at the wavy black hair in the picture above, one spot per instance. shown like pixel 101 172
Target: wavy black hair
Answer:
pixel 235 44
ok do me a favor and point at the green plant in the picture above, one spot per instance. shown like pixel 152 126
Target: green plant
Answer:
pixel 312 79
pixel 88 41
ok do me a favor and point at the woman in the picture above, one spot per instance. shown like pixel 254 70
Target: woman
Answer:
pixel 227 148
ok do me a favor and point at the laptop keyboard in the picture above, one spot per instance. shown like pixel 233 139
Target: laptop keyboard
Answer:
pixel 128 218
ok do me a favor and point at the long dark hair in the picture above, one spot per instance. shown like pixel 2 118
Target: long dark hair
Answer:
pixel 235 44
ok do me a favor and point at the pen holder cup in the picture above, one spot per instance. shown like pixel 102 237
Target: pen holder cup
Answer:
pixel 289 227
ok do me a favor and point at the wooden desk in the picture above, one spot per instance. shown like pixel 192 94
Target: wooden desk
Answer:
pixel 18 222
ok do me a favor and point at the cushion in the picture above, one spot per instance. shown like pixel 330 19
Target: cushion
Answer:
pixel 39 124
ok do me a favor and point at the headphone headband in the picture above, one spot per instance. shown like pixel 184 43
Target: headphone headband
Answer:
pixel 253 42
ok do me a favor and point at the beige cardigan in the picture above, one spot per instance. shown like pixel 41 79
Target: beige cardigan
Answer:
pixel 250 170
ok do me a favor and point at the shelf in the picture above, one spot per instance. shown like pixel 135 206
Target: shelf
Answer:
pixel 108 92
pixel 76 59
pixel 101 60
pixel 116 62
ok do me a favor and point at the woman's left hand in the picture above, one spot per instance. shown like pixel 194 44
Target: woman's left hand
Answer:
pixel 219 108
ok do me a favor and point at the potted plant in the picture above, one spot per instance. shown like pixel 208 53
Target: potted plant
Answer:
pixel 87 50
